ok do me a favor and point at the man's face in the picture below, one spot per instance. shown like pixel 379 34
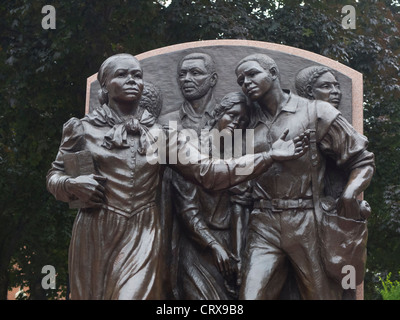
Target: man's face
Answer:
pixel 326 88
pixel 254 79
pixel 194 79
pixel 125 83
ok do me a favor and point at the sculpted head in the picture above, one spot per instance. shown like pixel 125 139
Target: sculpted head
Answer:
pixel 232 112
pixel 256 75
pixel 196 75
pixel 151 99
pixel 318 83
pixel 121 79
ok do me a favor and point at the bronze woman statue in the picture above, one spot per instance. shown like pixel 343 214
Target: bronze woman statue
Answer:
pixel 211 231
pixel 116 238
pixel 318 83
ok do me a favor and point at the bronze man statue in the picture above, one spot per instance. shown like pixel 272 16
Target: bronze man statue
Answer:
pixel 283 226
pixel 115 249
pixel 197 78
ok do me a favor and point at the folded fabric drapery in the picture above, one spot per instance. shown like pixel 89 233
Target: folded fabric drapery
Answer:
pixel 116 137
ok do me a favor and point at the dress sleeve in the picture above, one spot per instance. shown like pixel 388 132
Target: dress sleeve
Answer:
pixel 346 146
pixel 187 205
pixel 213 173
pixel 72 141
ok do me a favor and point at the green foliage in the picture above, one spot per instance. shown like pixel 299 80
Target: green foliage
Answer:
pixel 390 289
pixel 43 75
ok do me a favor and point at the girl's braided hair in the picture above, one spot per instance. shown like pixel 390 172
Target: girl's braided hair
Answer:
pixel 307 77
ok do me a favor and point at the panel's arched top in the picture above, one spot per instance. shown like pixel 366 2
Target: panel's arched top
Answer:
pixel 160 68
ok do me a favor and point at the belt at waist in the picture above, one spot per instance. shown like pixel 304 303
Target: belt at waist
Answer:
pixel 131 213
pixel 278 205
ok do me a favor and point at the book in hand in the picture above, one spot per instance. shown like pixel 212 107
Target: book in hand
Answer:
pixel 78 164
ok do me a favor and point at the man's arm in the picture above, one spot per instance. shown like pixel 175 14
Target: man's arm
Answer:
pixel 349 149
pixel 219 174
pixel 348 205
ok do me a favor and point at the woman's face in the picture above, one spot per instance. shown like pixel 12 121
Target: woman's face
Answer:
pixel 125 82
pixel 327 88
pixel 233 118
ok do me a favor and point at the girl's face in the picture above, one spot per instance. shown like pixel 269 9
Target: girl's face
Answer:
pixel 327 88
pixel 125 82
pixel 234 118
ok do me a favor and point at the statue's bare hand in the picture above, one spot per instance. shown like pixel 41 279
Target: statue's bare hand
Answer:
pixel 288 150
pixel 87 188
pixel 221 259
pixel 348 207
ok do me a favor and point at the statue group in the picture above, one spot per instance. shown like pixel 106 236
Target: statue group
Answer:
pixel 199 226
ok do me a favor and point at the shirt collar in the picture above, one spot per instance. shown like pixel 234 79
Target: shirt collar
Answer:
pixel 291 104
pixel 186 110
pixel 259 116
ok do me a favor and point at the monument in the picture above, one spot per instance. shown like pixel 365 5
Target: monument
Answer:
pixel 287 183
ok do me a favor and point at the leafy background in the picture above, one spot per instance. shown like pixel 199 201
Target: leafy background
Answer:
pixel 43 82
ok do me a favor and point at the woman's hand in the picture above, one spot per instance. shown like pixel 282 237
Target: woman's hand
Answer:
pixel 288 150
pixel 87 188
pixel 222 259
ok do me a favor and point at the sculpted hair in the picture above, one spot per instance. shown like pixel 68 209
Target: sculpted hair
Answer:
pixel 266 62
pixel 104 73
pixel 307 77
pixel 209 62
pixel 151 99
pixel 227 103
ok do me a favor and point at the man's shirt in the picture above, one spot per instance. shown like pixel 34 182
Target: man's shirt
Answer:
pixel 336 138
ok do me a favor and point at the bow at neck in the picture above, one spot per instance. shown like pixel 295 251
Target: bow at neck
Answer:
pixel 116 137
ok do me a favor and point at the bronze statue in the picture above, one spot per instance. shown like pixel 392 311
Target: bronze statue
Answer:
pixel 318 83
pixel 115 250
pixel 197 78
pixel 211 232
pixel 285 225
pixel 321 83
